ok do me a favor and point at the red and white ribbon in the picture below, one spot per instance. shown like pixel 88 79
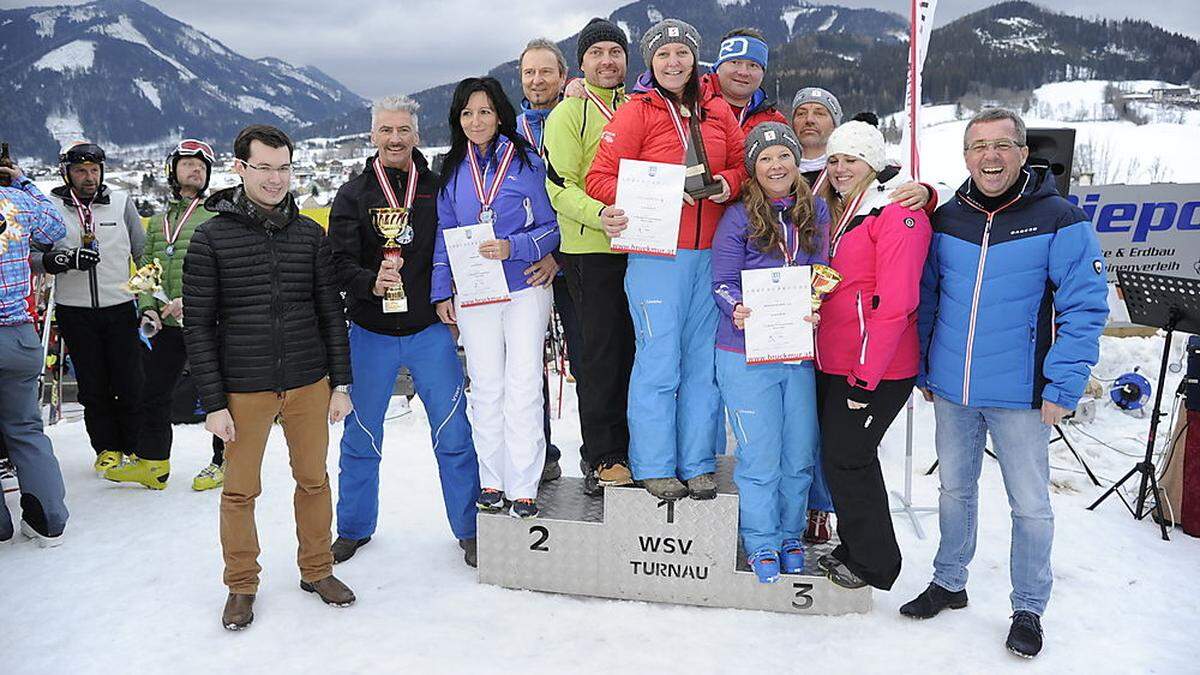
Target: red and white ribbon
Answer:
pixel 477 176
pixel 410 190
pixel 844 222
pixel 675 119
pixel 172 233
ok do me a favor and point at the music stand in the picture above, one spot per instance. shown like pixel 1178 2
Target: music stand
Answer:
pixel 1170 303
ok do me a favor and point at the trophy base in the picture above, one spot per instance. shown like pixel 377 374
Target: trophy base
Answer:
pixel 395 305
pixel 704 191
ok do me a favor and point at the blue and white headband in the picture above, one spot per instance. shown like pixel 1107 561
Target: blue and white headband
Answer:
pixel 743 47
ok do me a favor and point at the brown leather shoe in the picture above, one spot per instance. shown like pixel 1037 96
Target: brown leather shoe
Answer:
pixel 239 611
pixel 332 591
pixel 616 474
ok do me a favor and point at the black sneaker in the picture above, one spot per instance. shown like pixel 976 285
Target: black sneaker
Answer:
pixel 933 600
pixel 591 481
pixel 1025 636
pixel 470 555
pixel 490 499
pixel 344 549
pixel 551 471
pixel 838 573
pixel 524 508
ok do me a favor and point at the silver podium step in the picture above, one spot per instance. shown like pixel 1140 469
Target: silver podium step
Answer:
pixel 630 545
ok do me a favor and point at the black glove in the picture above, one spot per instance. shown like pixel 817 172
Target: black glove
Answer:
pixel 860 395
pixel 58 261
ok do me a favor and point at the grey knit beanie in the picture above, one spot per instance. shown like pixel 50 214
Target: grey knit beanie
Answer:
pixel 822 96
pixel 766 134
pixel 666 32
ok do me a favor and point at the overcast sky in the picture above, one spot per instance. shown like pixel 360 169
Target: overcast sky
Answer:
pixel 378 47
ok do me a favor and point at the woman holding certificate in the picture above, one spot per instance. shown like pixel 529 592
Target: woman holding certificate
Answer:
pixel 494 220
pixel 867 349
pixel 772 404
pixel 674 405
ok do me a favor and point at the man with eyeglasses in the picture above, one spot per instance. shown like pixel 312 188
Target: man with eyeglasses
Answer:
pixel 96 312
pixel 188 168
pixel 1013 302
pixel 266 336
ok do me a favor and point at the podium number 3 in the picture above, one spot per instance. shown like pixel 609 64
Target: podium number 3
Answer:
pixel 543 535
pixel 802 599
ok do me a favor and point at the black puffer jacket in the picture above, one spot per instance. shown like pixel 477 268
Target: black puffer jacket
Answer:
pixel 357 249
pixel 262 311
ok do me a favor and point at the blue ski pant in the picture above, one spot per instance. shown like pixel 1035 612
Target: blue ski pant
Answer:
pixel 41 481
pixel 674 405
pixel 773 411
pixel 437 375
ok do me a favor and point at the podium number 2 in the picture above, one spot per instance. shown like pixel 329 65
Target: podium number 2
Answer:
pixel 543 535
pixel 802 599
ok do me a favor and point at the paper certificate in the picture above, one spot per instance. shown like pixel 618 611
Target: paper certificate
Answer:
pixel 477 280
pixel 651 195
pixel 778 299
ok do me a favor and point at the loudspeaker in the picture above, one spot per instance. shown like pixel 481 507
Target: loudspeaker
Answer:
pixel 1053 150
pixel 1191 380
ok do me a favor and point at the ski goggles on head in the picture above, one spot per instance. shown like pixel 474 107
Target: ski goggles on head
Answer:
pixel 83 153
pixel 191 147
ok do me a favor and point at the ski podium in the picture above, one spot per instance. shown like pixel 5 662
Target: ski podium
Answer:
pixel 629 545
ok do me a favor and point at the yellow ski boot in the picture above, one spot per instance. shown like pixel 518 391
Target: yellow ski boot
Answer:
pixel 107 460
pixel 210 477
pixel 153 473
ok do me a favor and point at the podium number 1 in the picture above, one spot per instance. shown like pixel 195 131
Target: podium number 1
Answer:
pixel 542 536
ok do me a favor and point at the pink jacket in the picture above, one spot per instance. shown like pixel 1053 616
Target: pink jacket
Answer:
pixel 868 329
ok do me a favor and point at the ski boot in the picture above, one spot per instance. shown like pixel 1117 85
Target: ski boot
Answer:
pixel 791 559
pixel 153 473
pixel 211 476
pixel 765 563
pixel 106 460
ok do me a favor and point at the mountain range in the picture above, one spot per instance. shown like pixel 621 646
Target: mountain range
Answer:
pixel 124 74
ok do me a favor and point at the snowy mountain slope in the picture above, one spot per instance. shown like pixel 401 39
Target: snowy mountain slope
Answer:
pixel 124 74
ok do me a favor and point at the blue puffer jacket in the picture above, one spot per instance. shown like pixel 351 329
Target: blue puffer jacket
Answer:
pixel 1012 301
pixel 524 216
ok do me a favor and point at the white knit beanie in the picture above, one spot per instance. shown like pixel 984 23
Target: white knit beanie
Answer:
pixel 861 140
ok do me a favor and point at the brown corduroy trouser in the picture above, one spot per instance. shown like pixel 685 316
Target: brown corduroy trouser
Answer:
pixel 305 413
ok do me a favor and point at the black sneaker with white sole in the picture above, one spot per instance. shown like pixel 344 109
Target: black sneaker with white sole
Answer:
pixel 524 508
pixel 490 499
pixel 838 573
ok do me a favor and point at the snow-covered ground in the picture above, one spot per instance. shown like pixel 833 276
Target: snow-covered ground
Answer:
pixel 136 587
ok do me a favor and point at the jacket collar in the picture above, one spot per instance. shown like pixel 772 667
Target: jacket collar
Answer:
pixel 103 195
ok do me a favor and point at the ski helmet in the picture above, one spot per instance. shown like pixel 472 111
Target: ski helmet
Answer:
pixel 189 147
pixel 81 152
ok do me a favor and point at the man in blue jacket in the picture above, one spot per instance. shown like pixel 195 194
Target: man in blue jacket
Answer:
pixel 1013 301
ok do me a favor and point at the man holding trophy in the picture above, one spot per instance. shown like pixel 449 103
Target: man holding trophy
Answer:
pixel 159 287
pixel 382 227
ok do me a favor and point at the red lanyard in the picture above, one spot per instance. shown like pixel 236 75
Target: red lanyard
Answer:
pixel 847 216
pixel 171 234
pixel 822 178
pixel 676 120
pixel 410 190
pixel 477 177
pixel 527 132
pixel 85 214
pixel 604 109
pixel 789 256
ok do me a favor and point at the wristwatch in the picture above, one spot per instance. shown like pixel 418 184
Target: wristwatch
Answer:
pixel 342 389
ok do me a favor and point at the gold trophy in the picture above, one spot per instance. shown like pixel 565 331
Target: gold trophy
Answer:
pixel 824 280
pixel 392 224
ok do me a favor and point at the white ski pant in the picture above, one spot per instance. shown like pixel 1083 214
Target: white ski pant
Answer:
pixel 504 345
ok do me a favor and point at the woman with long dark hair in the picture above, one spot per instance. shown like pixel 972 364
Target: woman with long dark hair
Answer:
pixel 674 405
pixel 867 352
pixel 492 175
pixel 772 406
